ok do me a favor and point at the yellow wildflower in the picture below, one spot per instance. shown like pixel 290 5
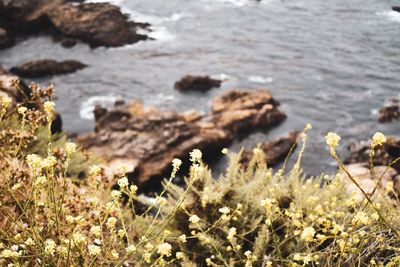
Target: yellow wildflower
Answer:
pixel 308 234
pixel 164 249
pixel 378 139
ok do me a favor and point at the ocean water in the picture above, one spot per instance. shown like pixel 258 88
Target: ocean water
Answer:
pixel 330 63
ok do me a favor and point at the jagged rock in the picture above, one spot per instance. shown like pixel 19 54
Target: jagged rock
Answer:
pixel 196 83
pixel 68 42
pixel 46 67
pixel 151 139
pixel 396 8
pixel 5 40
pixel 22 16
pixel 275 150
pixel 384 155
pixel 99 24
pixel 390 112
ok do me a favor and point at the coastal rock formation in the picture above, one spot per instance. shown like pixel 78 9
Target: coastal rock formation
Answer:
pixel 391 111
pixel 275 150
pixel 384 155
pixel 148 139
pixel 196 83
pixel 396 8
pixel 5 40
pixel 98 24
pixel 359 167
pixel 46 67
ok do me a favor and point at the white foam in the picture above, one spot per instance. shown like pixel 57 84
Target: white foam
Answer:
pixel 157 30
pixel 221 76
pixel 233 2
pixel 390 15
pixel 260 79
pixel 87 106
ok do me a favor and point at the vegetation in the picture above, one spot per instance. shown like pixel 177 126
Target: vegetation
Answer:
pixel 249 216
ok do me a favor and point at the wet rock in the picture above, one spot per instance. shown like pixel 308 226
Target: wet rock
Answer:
pixel 275 150
pixel 68 42
pixel 5 40
pixel 99 24
pixel 47 67
pixel 150 138
pixel 390 112
pixel 196 83
pixel 396 8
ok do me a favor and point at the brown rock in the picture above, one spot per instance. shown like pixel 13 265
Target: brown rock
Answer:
pixel 196 83
pixel 384 155
pixel 361 173
pixel 396 8
pixel 5 40
pixel 99 24
pixel 275 150
pixel 46 67
pixel 151 139
pixel 390 112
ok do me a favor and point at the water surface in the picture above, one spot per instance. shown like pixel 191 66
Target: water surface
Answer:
pixel 331 63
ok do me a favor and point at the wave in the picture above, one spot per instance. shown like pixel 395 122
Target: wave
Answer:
pixel 157 30
pixel 260 79
pixel 87 106
pixel 390 15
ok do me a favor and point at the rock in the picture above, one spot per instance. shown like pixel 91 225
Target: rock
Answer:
pixel 275 150
pixel 359 166
pixel 46 67
pixel 384 155
pixel 99 24
pixel 390 112
pixel 236 111
pixel 151 139
pixel 362 175
pixel 68 42
pixel 24 16
pixel 396 8
pixel 196 83
pixel 5 40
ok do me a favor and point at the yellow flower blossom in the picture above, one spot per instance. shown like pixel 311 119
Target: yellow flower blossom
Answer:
pixel 50 247
pixel 111 222
pixel 130 249
pixel 195 155
pixel 94 250
pixel 194 219
pixel 231 234
pixel 378 139
pixel 164 249
pixel 308 234
pixel 123 182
